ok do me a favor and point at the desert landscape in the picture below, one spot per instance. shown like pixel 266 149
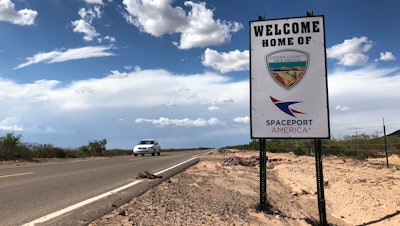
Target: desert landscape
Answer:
pixel 223 189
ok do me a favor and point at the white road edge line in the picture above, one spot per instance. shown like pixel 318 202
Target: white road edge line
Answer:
pixel 88 201
pixel 162 171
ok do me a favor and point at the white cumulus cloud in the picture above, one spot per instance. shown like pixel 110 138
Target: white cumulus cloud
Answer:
pixel 221 100
pixel 155 17
pixel 351 52
pixel 99 2
pixel 90 14
pixel 213 108
pixel 81 26
pixel 9 124
pixel 203 30
pixel 226 62
pixel 197 27
pixel 84 25
pixel 342 108
pixel 214 121
pixel 386 56
pixel 245 119
pixel 20 17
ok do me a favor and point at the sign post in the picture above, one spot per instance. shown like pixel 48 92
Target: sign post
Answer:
pixel 320 183
pixel 263 176
pixel 288 85
pixel 386 149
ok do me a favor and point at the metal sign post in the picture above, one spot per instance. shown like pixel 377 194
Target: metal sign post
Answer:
pixel 386 149
pixel 320 183
pixel 263 176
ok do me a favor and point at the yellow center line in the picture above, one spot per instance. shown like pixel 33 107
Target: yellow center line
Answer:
pixel 17 174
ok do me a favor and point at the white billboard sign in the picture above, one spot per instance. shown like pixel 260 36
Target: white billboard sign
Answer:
pixel 288 78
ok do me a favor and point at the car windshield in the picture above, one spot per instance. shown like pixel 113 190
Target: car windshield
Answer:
pixel 147 142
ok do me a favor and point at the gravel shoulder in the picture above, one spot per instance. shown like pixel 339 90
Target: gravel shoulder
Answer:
pixel 223 189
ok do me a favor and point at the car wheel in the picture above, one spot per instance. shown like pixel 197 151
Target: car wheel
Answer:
pixel 158 153
pixel 135 154
pixel 142 154
pixel 152 154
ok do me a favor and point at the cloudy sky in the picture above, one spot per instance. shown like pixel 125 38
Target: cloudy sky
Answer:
pixel 178 71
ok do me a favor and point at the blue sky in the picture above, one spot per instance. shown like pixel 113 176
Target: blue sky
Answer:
pixel 178 71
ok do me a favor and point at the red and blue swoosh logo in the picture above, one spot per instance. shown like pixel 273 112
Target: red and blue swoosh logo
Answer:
pixel 285 106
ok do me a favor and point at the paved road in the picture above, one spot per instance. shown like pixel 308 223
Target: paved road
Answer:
pixel 30 192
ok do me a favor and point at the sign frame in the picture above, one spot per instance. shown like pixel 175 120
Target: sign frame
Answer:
pixel 288 78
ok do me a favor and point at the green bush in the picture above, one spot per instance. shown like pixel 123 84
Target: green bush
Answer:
pixel 94 148
pixel 298 150
pixel 12 148
pixel 273 146
pixel 75 154
pixel 48 151
pixel 116 152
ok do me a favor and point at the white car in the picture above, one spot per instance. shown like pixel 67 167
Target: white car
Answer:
pixel 147 146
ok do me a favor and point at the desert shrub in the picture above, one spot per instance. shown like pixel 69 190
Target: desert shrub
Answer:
pixel 94 148
pixel 273 145
pixel 59 153
pixel 75 154
pixel 12 148
pixel 19 152
pixel 299 150
pixel 84 149
pixel 48 151
pixel 117 152
pixel 353 153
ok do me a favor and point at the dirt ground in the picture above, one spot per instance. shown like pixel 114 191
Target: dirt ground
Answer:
pixel 223 189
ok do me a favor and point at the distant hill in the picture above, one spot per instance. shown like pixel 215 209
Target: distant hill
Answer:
pixel 395 133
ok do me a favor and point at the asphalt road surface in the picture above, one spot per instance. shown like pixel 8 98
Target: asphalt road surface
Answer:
pixel 28 193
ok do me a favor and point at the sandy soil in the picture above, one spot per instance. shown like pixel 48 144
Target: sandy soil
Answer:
pixel 221 191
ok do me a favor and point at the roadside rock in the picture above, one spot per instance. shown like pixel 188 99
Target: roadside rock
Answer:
pixel 236 160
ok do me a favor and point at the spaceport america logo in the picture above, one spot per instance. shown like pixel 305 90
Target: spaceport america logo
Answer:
pixel 288 126
pixel 285 106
